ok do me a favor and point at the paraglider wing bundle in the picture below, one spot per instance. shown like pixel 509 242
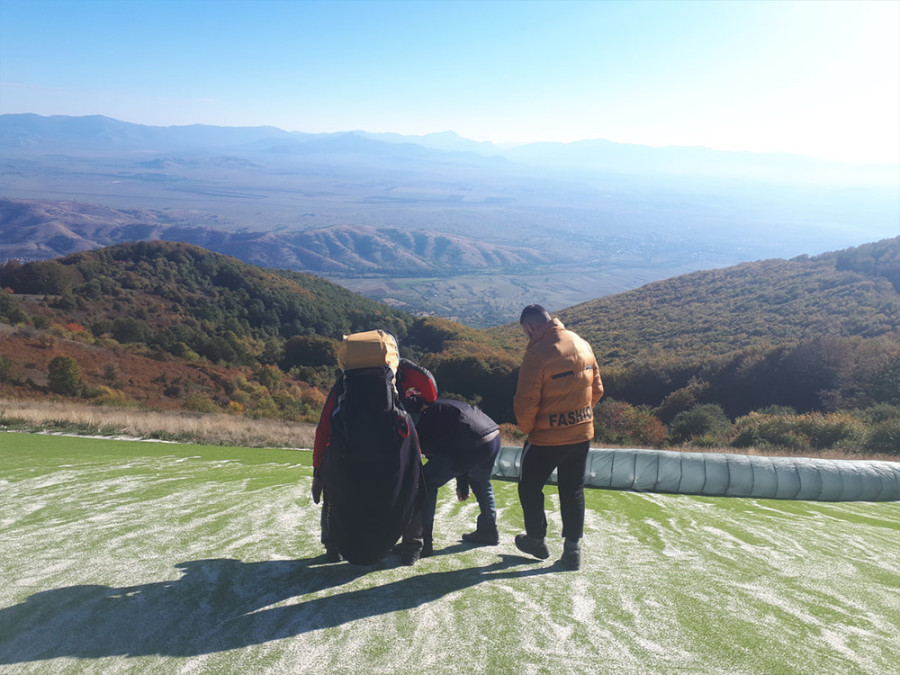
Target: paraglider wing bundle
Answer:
pixel 372 467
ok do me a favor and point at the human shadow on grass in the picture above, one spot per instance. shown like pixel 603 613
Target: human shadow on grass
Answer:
pixel 455 548
pixel 218 605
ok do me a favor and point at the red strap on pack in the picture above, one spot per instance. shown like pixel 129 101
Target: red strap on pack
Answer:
pixel 402 426
pixel 323 430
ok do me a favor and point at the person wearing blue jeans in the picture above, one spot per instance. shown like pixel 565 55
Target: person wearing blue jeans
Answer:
pixel 461 442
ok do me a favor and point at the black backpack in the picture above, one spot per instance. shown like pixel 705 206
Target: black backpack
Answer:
pixel 372 469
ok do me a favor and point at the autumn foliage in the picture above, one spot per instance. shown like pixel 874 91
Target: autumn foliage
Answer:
pixel 784 354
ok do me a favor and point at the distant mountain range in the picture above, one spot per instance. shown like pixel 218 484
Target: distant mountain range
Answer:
pixel 97 133
pixel 553 223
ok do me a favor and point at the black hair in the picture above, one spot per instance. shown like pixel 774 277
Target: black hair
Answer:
pixel 413 403
pixel 534 315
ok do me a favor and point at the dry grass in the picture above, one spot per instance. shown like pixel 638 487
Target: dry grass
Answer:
pixel 205 428
pixel 236 430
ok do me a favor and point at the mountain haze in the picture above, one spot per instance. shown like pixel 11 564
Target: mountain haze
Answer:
pixel 556 223
pixel 61 133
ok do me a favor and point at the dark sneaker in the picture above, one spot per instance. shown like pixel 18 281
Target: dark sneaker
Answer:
pixel 482 537
pixel 427 549
pixel 409 556
pixel 571 558
pixel 532 546
pixel 332 555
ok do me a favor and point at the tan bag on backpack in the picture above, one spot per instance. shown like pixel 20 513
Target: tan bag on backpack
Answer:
pixel 368 349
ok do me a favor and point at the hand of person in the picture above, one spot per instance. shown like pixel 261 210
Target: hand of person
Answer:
pixel 462 487
pixel 316 489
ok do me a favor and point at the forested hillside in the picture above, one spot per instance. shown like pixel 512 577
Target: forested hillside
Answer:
pixel 761 304
pixel 227 322
pixel 162 294
pixel 811 333
pixel 777 353
pixel 816 336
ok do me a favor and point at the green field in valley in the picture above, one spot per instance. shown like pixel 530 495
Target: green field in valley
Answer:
pixel 124 556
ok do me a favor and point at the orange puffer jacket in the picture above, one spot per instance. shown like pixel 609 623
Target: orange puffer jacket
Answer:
pixel 559 385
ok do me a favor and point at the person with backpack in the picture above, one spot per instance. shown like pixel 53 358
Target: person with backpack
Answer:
pixel 460 442
pixel 559 385
pixel 367 467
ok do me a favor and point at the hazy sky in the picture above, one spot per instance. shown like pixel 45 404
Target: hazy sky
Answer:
pixel 820 78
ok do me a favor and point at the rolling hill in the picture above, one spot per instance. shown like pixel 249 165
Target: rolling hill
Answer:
pixel 812 333
pixel 168 325
pixel 815 334
pixel 855 292
pixel 37 230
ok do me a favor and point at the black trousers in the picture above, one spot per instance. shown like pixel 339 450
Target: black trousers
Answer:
pixel 538 463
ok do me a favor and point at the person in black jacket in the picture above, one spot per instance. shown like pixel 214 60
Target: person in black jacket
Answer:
pixel 460 442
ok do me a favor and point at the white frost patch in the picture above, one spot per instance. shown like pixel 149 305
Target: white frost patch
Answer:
pixel 673 546
pixel 103 438
pixel 169 565
pixel 583 603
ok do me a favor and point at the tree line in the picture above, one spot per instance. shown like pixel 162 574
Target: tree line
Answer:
pixel 677 383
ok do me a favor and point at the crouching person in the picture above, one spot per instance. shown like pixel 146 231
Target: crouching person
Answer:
pixel 460 442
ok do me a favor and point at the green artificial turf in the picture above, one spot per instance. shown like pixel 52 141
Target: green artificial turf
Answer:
pixel 123 556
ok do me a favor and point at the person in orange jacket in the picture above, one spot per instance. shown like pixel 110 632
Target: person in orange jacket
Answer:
pixel 559 385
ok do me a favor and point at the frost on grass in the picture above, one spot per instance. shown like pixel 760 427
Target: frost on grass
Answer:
pixel 192 562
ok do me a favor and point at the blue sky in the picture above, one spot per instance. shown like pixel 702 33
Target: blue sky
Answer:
pixel 820 78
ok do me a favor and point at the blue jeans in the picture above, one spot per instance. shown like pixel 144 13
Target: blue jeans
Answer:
pixel 441 468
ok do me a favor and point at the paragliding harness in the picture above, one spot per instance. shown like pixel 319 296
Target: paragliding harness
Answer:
pixel 370 465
